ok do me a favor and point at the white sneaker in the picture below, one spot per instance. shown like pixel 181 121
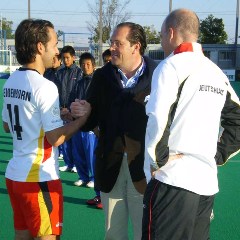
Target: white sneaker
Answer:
pixel 79 183
pixel 60 156
pixel 65 169
pixel 90 184
pixel 74 170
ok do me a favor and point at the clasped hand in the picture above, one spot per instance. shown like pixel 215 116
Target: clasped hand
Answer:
pixel 80 108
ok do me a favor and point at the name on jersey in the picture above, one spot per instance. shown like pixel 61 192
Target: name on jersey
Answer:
pixel 17 93
pixel 207 88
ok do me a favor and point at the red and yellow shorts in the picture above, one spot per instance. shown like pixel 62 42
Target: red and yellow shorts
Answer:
pixel 37 206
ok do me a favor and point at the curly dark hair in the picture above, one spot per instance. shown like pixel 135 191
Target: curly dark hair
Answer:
pixel 136 34
pixel 28 34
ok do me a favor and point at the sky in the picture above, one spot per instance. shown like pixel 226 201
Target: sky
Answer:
pixel 71 16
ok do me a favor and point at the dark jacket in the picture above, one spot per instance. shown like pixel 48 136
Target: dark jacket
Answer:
pixel 120 114
pixel 66 79
pixel 51 74
pixel 81 88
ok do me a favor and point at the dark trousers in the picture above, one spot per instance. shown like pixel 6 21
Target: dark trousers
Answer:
pixel 172 213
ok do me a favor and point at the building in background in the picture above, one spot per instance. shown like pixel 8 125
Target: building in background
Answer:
pixel 226 56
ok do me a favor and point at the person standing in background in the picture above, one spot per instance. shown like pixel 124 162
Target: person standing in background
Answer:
pixel 32 116
pixel 190 97
pixel 51 74
pixel 96 201
pixel 84 143
pixel 106 56
pixel 66 78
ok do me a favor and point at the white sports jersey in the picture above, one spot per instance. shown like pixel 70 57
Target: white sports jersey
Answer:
pixel 189 122
pixel 31 108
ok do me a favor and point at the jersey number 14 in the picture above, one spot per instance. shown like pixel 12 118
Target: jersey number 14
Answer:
pixel 15 127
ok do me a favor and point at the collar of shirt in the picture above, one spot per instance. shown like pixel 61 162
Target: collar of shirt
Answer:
pixel 88 75
pixel 127 83
pixel 188 47
pixel 72 66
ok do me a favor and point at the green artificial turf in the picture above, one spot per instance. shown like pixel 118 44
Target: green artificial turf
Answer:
pixel 82 222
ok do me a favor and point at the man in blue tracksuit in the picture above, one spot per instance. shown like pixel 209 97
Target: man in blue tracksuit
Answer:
pixel 66 79
pixel 84 143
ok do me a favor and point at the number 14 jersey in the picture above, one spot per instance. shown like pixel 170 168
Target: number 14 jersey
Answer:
pixel 31 108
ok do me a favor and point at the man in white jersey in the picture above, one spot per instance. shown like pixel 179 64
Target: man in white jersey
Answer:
pixel 190 97
pixel 31 113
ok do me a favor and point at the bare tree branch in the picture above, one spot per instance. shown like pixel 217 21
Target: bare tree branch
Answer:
pixel 114 12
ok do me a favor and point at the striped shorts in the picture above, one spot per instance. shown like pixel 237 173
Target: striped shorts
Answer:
pixel 37 206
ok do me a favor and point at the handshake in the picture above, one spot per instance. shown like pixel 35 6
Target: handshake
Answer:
pixel 79 108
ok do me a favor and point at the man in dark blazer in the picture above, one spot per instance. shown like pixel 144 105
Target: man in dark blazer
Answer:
pixel 117 95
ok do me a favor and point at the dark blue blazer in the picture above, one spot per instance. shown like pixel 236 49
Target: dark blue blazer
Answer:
pixel 120 114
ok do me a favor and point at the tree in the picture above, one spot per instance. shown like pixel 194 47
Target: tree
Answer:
pixel 7 25
pixel 212 31
pixel 113 13
pixel 105 35
pixel 151 34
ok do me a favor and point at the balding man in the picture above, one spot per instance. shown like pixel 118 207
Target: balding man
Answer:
pixel 190 97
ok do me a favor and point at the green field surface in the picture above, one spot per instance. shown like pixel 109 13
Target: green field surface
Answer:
pixel 82 222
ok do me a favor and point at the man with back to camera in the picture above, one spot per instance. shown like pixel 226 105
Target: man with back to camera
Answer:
pixel 190 97
pixel 31 113
pixel 117 96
